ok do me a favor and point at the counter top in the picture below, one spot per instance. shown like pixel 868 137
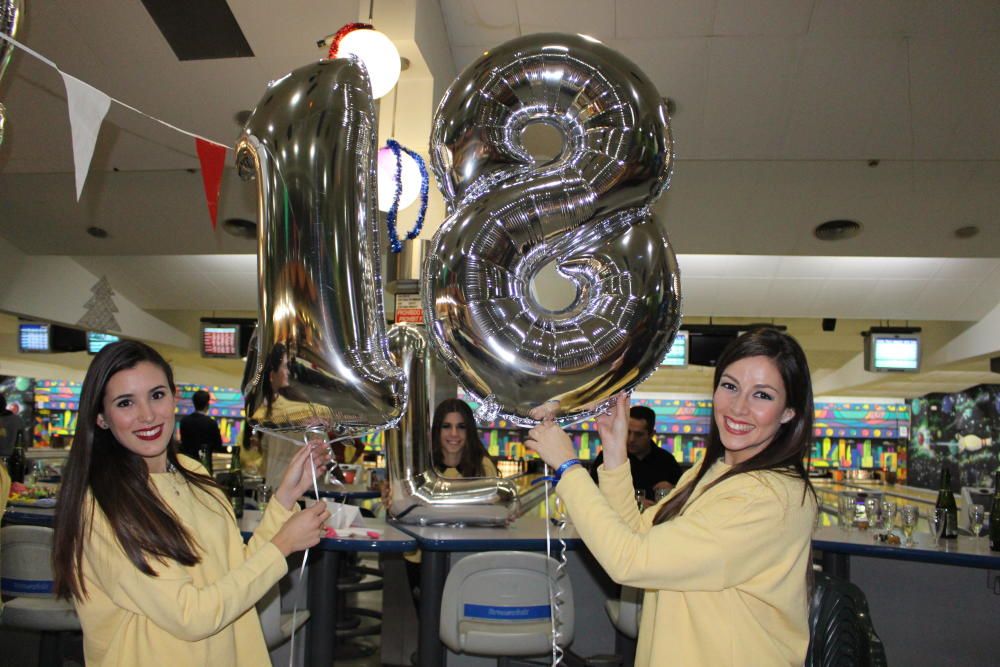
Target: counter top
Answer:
pixel 527 533
pixel 964 551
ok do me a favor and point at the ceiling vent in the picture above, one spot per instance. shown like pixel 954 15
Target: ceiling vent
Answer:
pixel 240 227
pixel 199 29
pixel 837 230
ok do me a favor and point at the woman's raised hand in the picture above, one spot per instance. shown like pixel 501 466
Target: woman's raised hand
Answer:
pixel 303 530
pixel 613 429
pixel 551 443
pixel 298 477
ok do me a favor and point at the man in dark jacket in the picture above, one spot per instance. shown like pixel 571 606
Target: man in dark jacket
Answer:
pixel 198 430
pixel 652 467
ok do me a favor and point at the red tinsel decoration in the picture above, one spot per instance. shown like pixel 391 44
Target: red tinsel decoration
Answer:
pixel 339 35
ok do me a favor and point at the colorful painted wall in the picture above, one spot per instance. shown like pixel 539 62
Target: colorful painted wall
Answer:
pixel 960 431
pixel 55 403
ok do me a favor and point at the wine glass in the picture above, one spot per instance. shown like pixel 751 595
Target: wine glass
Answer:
pixel 872 506
pixel 977 515
pixel 888 516
pixel 909 515
pixel 940 520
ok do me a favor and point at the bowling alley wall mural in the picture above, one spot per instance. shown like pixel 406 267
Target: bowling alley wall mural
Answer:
pixel 956 430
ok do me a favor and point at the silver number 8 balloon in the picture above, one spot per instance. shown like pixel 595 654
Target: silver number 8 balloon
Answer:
pixel 587 210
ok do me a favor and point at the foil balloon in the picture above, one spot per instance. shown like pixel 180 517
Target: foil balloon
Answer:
pixel 586 210
pixel 322 359
pixel 10 19
pixel 419 494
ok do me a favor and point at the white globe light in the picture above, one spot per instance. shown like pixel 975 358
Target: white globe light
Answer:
pixel 410 173
pixel 379 55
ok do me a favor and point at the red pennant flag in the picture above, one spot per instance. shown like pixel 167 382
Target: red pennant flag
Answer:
pixel 213 159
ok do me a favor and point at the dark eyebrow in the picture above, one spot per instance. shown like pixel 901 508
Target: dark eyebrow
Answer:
pixel 157 387
pixel 766 386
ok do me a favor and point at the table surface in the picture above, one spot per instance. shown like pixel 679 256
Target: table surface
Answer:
pixel 527 533
pixel 964 551
pixel 391 539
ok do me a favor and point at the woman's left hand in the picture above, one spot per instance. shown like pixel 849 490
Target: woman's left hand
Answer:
pixel 551 443
pixel 298 478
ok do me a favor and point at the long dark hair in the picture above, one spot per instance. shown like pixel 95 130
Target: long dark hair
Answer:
pixel 118 481
pixel 471 464
pixel 273 363
pixel 786 452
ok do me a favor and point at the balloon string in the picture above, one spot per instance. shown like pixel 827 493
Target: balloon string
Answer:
pixel 555 597
pixel 305 555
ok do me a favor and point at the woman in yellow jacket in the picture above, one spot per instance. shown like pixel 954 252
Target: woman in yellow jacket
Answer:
pixel 725 558
pixel 146 544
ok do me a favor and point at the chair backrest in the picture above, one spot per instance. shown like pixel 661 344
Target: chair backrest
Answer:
pixel 841 633
pixel 629 611
pixel 497 603
pixel 26 568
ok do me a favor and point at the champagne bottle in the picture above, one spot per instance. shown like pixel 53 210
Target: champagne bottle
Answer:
pixel 236 483
pixel 946 501
pixel 17 464
pixel 995 514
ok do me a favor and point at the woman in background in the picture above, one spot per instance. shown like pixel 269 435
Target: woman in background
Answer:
pixel 724 559
pixel 146 544
pixel 456 450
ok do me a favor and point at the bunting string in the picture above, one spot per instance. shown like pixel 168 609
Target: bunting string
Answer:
pixel 31 52
pixel 87 108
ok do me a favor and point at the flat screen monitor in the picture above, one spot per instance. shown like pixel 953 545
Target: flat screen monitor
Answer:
pixel 97 340
pixel 892 352
pixel 220 340
pixel 33 337
pixel 678 354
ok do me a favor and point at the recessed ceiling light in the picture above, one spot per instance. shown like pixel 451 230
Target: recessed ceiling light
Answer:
pixel 837 230
pixel 966 232
pixel 240 227
pixel 98 232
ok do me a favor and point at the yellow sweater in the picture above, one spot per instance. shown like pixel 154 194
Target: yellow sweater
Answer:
pixel 199 615
pixel 725 581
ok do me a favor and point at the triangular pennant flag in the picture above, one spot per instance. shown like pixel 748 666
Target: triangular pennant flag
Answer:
pixel 213 159
pixel 87 108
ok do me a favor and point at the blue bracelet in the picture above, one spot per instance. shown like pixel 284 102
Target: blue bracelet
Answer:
pixel 554 478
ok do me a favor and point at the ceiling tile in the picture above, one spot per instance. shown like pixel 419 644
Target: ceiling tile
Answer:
pixel 762 17
pixel 475 22
pixel 663 18
pixel 595 18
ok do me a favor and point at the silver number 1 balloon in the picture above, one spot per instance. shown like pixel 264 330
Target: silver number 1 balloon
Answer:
pixel 322 355
pixel 587 210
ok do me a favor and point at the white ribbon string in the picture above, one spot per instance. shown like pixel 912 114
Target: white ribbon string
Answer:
pixel 555 596
pixel 305 555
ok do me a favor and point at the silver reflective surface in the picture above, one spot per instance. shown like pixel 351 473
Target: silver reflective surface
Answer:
pixel 419 494
pixel 11 12
pixel 310 145
pixel 586 210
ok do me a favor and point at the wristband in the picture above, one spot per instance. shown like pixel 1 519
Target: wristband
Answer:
pixel 555 477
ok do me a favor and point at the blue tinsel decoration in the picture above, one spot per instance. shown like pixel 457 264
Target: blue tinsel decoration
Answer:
pixel 395 245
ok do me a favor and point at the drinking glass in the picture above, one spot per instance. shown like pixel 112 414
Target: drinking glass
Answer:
pixel 977 515
pixel 262 495
pixel 872 506
pixel 640 496
pixel 888 516
pixel 846 509
pixel 940 520
pixel 909 515
pixel 660 494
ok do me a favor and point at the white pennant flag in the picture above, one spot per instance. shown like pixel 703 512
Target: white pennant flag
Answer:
pixel 87 108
